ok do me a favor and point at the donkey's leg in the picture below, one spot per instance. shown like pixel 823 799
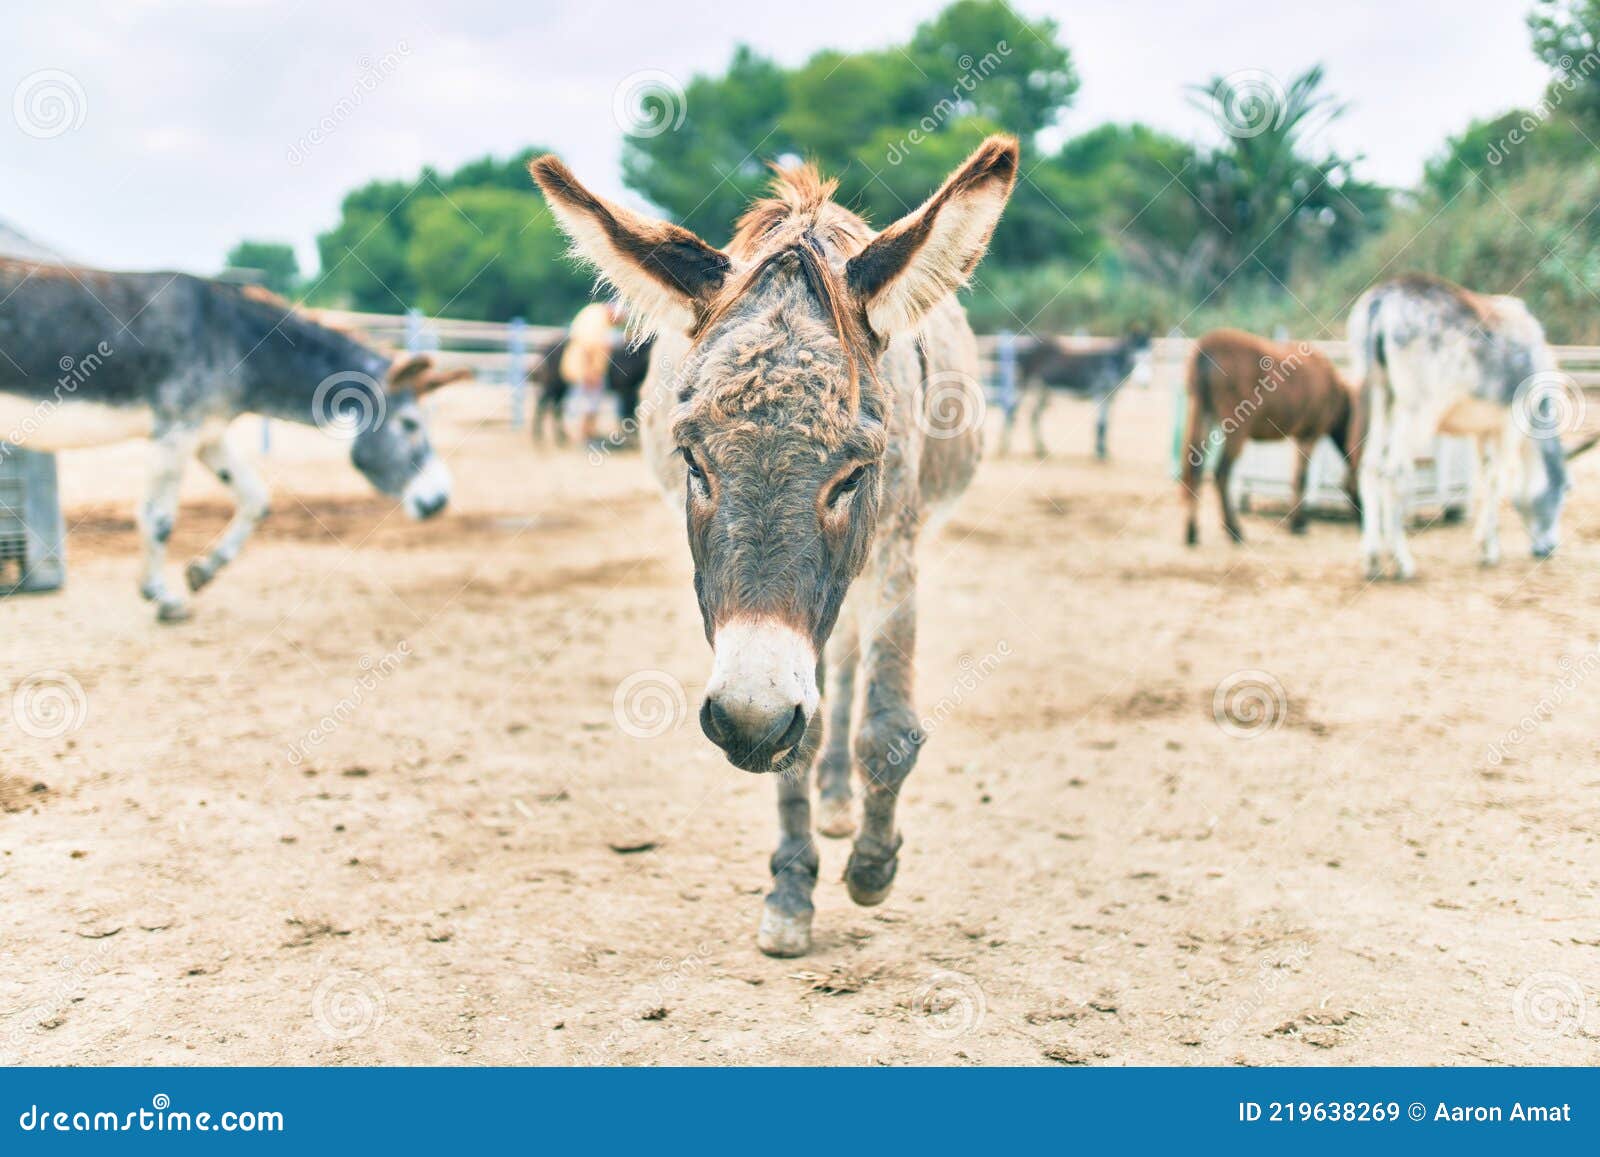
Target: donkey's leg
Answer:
pixel 786 918
pixel 1102 419
pixel 1302 469
pixel 889 735
pixel 1397 471
pixel 1373 454
pixel 169 453
pixel 1486 528
pixel 1040 400
pixel 1225 458
pixel 834 818
pixel 250 496
pixel 1193 467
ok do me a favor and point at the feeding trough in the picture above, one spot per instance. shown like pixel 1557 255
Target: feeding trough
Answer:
pixel 32 531
pixel 1264 477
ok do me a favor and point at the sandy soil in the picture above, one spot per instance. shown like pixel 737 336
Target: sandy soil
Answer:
pixel 476 864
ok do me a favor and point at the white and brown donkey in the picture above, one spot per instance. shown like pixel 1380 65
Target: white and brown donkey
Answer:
pixel 89 358
pixel 799 402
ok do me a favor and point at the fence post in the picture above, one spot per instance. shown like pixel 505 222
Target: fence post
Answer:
pixel 414 330
pixel 516 366
pixel 1006 370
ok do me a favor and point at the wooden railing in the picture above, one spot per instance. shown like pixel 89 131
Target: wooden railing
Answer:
pixel 505 352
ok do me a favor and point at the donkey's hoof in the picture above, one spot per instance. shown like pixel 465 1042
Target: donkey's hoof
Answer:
pixel 870 881
pixel 1373 568
pixel 172 611
pixel 197 574
pixel 835 817
pixel 784 935
pixel 1297 528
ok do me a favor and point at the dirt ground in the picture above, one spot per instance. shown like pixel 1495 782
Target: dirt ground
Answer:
pixel 374 804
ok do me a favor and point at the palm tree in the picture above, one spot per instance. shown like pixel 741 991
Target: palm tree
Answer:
pixel 1265 197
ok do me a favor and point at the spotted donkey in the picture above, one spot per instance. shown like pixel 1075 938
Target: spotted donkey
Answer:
pixel 89 358
pixel 799 401
pixel 1434 358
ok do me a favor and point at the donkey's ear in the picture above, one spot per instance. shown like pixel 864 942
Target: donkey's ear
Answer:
pixel 436 378
pixel 408 371
pixel 659 268
pixel 920 259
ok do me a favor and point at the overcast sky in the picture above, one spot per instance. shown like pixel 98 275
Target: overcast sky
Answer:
pixel 188 123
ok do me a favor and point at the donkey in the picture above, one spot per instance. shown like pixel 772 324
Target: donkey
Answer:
pixel 625 377
pixel 1243 388
pixel 1434 358
pixel 807 376
pixel 1049 364
pixel 90 358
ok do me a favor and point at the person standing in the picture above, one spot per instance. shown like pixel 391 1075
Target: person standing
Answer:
pixel 587 359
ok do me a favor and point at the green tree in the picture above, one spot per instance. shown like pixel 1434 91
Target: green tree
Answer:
pixel 1566 36
pixel 707 170
pixel 889 124
pixel 475 241
pixel 273 260
pixel 494 254
pixel 1266 196
pixel 1496 151
pixel 996 65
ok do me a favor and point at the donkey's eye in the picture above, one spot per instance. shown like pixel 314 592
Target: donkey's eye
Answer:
pixel 410 425
pixel 697 476
pixel 848 486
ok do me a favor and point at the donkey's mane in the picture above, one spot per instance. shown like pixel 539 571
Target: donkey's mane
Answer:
pixel 302 330
pixel 801 225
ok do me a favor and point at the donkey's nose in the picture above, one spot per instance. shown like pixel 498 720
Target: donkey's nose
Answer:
pixel 753 732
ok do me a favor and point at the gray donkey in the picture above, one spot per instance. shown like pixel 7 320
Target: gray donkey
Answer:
pixel 814 399
pixel 1434 358
pixel 89 358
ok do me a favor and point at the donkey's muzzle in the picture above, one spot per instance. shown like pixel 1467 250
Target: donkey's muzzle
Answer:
pixel 762 692
pixel 755 736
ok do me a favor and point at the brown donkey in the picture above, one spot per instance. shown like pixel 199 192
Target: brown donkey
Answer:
pixel 799 404
pixel 1244 387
